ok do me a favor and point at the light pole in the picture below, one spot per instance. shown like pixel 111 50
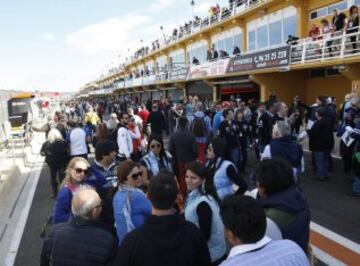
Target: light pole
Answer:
pixel 192 3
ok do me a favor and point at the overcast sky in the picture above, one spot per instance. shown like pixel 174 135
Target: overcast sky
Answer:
pixel 59 45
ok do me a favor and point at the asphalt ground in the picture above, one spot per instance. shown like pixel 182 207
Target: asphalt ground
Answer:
pixel 330 206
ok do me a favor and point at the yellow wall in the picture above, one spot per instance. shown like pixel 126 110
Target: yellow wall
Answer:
pixel 285 85
pixel 336 86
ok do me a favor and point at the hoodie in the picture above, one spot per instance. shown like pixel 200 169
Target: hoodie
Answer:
pixel 290 211
pixel 288 150
pixel 164 240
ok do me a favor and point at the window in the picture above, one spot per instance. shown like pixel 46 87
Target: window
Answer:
pixel 273 29
pixel 357 2
pixel 341 6
pixel 328 10
pixel 275 33
pixel 252 40
pixel 262 37
pixel 318 13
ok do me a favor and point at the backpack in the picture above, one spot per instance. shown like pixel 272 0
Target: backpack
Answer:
pixel 199 127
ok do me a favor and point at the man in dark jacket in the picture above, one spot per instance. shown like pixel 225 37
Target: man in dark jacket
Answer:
pixel 156 120
pixel 321 142
pixel 264 126
pixel 165 238
pixel 183 149
pixel 283 201
pixel 282 146
pixel 82 240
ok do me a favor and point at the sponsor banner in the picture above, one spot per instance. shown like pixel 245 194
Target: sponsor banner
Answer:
pixel 213 68
pixel 277 57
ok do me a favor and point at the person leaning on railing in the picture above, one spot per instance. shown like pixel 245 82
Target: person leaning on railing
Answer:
pixel 352 26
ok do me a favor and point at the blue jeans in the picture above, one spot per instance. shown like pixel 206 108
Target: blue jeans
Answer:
pixel 235 156
pixel 356 184
pixel 322 163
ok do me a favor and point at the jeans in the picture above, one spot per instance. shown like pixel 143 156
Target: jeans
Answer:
pixel 235 156
pixel 356 184
pixel 322 163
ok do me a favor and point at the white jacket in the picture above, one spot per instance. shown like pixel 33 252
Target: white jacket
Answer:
pixel 125 141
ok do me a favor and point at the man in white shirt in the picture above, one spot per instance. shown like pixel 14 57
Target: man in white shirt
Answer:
pixel 77 140
pixel 125 138
pixel 245 224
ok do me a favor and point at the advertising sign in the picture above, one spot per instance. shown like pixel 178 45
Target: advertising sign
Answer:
pixel 277 57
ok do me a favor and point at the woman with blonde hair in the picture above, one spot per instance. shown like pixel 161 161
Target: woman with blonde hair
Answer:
pixel 57 156
pixel 76 173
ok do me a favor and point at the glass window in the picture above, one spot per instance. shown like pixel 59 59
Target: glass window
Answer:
pixel 229 45
pixel 252 40
pixel 341 6
pixel 238 40
pixel 275 33
pixel 262 37
pixel 290 27
pixel 318 13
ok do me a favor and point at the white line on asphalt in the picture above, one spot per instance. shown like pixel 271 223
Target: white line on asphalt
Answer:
pixel 17 236
pixel 335 237
pixel 326 258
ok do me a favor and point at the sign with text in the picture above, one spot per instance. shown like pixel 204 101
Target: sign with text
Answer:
pixel 277 57
pixel 212 68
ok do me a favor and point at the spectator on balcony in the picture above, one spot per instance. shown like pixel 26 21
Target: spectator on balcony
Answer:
pixel 195 61
pixel 314 32
pixel 223 54
pixel 236 50
pixel 338 21
pixel 208 55
pixel 327 33
pixel 353 26
pixel 214 53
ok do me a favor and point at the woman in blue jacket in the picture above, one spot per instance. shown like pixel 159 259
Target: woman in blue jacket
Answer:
pixel 202 209
pixel 76 176
pixel 156 158
pixel 223 172
pixel 131 206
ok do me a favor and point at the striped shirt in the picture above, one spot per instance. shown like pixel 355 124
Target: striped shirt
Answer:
pixel 267 252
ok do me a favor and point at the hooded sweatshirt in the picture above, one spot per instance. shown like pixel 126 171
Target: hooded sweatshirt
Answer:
pixel 207 124
pixel 164 240
pixel 290 211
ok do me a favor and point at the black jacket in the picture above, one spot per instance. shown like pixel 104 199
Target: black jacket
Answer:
pixel 321 135
pixel 78 242
pixel 157 121
pixel 164 241
pixel 264 126
pixel 183 146
pixel 56 153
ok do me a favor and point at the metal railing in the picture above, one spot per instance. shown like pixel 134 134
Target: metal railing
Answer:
pixel 223 13
pixel 326 47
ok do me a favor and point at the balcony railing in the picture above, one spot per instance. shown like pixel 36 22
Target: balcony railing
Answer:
pixel 237 7
pixel 323 48
pixel 326 47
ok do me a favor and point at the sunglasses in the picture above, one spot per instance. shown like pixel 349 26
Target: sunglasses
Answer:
pixel 155 146
pixel 136 176
pixel 80 170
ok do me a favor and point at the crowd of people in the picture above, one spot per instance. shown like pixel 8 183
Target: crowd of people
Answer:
pixel 167 185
